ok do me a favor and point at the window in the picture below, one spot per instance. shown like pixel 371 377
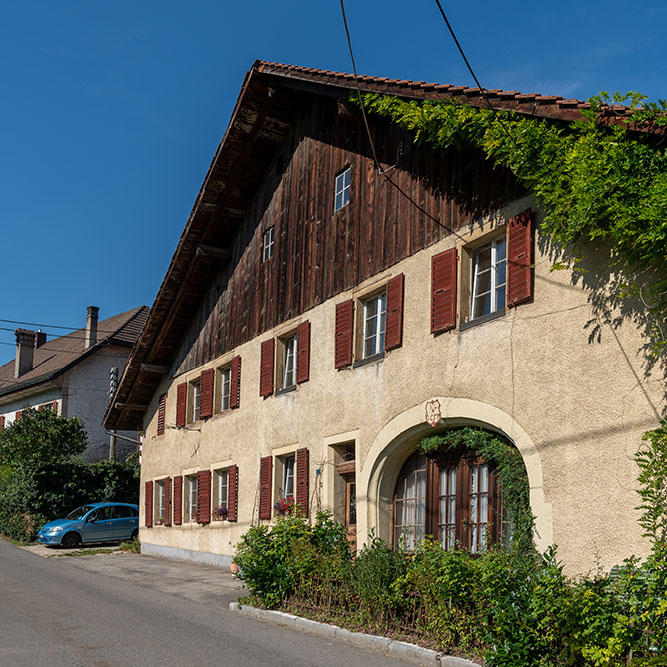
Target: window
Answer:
pixel 287 369
pixel 190 498
pixel 267 244
pixel 221 494
pixel 288 477
pixel 195 393
pixel 454 497
pixel 342 189
pixel 488 278
pixel 159 502
pixel 225 388
pixel 375 314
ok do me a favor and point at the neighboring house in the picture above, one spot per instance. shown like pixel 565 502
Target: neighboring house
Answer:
pixel 318 318
pixel 71 375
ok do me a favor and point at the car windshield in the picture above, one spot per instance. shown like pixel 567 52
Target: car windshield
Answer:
pixel 79 513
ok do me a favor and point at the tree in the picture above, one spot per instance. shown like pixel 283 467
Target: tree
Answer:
pixel 41 436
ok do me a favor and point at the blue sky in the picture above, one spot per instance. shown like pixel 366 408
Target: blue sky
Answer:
pixel 111 112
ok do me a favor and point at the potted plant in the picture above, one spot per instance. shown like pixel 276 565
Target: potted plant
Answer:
pixel 220 512
pixel 285 506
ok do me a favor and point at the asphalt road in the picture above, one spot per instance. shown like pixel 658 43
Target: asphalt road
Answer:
pixel 124 609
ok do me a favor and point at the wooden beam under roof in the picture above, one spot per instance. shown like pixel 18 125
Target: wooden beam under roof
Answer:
pixel 154 368
pixel 211 252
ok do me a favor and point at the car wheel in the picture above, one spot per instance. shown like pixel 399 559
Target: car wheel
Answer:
pixel 135 533
pixel 71 540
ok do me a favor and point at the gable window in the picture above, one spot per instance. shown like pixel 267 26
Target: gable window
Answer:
pixel 195 398
pixel 342 189
pixel 488 278
pixel 267 244
pixel 375 314
pixel 454 497
pixel 190 498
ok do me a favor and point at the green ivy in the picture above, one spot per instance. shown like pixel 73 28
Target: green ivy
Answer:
pixel 509 467
pixel 596 181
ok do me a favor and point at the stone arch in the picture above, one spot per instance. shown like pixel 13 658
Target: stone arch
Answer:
pixel 398 439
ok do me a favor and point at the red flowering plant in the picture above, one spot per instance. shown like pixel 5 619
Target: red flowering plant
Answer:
pixel 285 506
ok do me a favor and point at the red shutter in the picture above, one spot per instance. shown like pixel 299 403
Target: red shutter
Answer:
pixel 178 500
pixel 18 415
pixel 302 480
pixel 232 496
pixel 181 403
pixel 519 259
pixel 161 408
pixel 303 352
pixel 266 368
pixel 149 505
pixel 235 384
pixel 206 401
pixel 443 291
pixel 2 422
pixel 393 336
pixel 204 496
pixel 55 407
pixel 265 474
pixel 167 501
pixel 344 333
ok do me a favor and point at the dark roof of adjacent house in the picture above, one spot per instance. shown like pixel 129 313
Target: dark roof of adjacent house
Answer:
pixel 270 97
pixel 58 355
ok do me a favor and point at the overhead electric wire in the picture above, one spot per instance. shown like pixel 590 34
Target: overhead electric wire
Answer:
pixel 56 326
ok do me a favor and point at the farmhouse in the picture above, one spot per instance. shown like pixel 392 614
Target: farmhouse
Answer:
pixel 322 314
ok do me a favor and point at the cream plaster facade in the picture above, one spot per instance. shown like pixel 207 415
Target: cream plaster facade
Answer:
pixel 574 408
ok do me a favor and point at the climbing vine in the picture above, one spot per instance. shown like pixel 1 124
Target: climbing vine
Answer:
pixel 509 467
pixel 596 181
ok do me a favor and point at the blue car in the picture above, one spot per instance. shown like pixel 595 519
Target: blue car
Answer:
pixel 97 522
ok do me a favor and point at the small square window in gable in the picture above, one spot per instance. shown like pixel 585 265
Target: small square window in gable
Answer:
pixel 268 244
pixel 342 189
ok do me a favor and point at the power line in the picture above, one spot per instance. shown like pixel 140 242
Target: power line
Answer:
pixel 482 90
pixel 57 326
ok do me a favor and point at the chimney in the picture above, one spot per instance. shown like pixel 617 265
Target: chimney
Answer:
pixel 91 326
pixel 41 339
pixel 25 350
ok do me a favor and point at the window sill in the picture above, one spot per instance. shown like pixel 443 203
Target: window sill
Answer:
pixel 484 318
pixel 286 390
pixel 368 360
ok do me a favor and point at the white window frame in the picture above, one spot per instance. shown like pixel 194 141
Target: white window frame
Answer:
pixel 268 243
pixel 196 399
pixel 225 387
pixel 498 259
pixel 374 325
pixel 286 362
pixel 160 499
pixel 289 465
pixel 190 498
pixel 221 487
pixel 342 189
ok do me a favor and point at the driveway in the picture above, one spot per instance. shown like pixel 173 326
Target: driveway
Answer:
pixel 125 609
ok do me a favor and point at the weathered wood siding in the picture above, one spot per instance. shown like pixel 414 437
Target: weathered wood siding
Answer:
pixel 319 253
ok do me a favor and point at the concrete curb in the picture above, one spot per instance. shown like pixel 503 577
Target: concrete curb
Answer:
pixel 391 647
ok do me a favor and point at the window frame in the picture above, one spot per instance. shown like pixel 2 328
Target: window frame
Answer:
pixel 160 502
pixel 190 498
pixel 220 474
pixel 224 383
pixel 342 188
pixel 378 334
pixel 194 393
pixel 268 243
pixel 288 476
pixel 494 283
pixel 286 361
pixel 464 462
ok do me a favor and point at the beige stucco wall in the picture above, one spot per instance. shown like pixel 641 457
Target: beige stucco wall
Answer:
pixel 575 409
